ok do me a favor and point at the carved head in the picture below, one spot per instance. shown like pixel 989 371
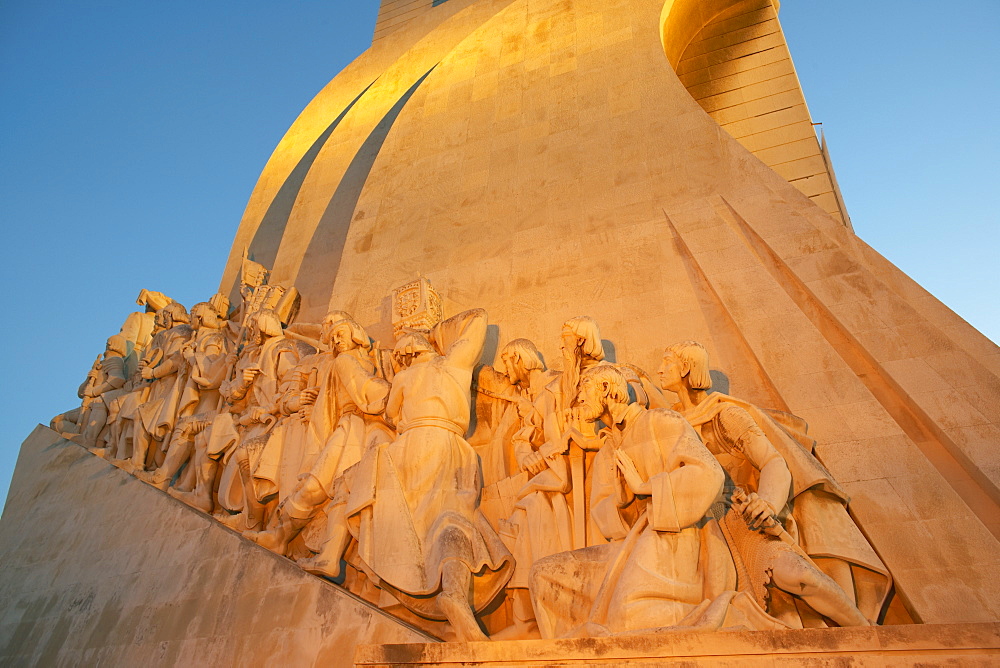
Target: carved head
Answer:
pixel 518 359
pixel 117 345
pixel 685 364
pixel 171 315
pixel 267 324
pixel 582 336
pixel 601 386
pixel 410 347
pixel 204 315
pixel 342 332
pixel 220 304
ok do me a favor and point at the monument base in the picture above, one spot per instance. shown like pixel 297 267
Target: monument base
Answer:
pixel 919 644
pixel 99 568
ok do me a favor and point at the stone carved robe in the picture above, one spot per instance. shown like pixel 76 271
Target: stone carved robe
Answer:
pixel 414 502
pixel 358 397
pixel 333 433
pixel 207 362
pixel 161 399
pixel 543 515
pixel 276 358
pixel 299 435
pixel 817 510
pixel 668 555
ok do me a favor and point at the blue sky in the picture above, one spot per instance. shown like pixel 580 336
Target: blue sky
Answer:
pixel 133 133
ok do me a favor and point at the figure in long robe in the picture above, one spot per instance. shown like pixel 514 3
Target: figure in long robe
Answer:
pixel 165 374
pixel 667 564
pixel 414 503
pixel 347 402
pixel 791 491
pixel 205 358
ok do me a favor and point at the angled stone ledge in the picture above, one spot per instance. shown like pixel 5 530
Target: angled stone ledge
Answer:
pixel 102 569
pixel 925 645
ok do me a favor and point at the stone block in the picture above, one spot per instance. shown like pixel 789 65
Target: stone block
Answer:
pixel 121 582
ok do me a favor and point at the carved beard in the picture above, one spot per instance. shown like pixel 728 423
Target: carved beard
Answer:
pixel 589 410
pixel 570 381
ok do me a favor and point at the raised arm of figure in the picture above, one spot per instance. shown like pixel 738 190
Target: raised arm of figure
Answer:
pixel 462 337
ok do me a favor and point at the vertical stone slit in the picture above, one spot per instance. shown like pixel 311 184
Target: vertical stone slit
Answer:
pixel 715 311
pixel 321 260
pixel 979 494
pixel 267 238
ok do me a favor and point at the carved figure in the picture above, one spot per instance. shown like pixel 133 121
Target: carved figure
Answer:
pixel 205 361
pixel 542 521
pixel 162 367
pixel 103 384
pixel 414 503
pixel 836 572
pixel 267 363
pixel 497 401
pixel 122 413
pixel 653 488
pixel 346 403
pixel 140 326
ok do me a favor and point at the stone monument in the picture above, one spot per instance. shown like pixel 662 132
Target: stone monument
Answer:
pixel 545 339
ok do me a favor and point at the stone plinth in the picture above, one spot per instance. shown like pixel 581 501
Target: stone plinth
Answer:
pixel 102 569
pixel 927 645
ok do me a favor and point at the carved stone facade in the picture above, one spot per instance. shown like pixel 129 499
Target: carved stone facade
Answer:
pixel 530 453
pixel 631 517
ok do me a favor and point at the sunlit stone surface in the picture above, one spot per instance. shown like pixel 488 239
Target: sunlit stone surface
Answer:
pixel 437 371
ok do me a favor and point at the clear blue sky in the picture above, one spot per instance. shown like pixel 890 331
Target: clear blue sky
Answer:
pixel 132 134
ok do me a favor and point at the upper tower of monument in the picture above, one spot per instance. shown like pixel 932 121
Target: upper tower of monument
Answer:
pixel 395 15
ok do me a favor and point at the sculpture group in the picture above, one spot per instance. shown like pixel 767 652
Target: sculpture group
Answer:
pixel 483 497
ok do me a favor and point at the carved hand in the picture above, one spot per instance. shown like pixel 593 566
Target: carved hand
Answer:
pixel 249 375
pixel 147 373
pixel 195 426
pixel 631 473
pixel 308 396
pixel 533 463
pixel 759 514
pixel 525 410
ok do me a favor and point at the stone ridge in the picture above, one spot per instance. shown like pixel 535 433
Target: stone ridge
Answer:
pixel 930 645
pixel 101 568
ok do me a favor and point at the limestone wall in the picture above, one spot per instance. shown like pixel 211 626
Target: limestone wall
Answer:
pixel 541 159
pixel 99 568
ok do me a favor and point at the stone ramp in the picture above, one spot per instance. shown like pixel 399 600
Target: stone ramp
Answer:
pixel 963 645
pixel 99 568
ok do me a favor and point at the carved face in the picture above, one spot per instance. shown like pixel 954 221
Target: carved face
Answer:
pixel 342 338
pixel 592 399
pixel 163 319
pixel 569 341
pixel 515 370
pixel 210 319
pixel 671 372
pixel 202 315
